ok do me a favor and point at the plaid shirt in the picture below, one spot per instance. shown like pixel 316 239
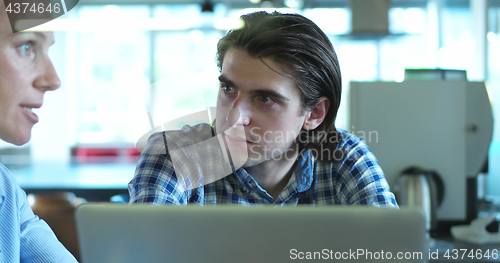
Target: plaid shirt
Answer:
pixel 355 180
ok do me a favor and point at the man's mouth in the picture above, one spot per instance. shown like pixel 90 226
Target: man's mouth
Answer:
pixel 237 139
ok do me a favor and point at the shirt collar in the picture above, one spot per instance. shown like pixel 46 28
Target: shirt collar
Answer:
pixel 3 182
pixel 243 176
pixel 302 175
pixel 303 172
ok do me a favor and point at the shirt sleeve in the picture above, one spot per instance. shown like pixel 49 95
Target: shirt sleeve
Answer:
pixel 155 180
pixel 29 236
pixel 362 181
pixel 38 242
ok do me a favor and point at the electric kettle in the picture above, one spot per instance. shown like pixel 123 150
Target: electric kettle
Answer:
pixel 423 189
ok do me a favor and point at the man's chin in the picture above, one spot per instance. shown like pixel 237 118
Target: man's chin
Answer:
pixel 250 163
pixel 242 160
pixel 238 160
pixel 253 161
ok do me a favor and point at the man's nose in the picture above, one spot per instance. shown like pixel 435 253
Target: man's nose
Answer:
pixel 239 114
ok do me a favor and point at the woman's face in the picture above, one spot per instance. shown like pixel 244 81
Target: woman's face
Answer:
pixel 26 73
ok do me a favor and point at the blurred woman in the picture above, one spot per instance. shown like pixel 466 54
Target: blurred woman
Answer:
pixel 26 73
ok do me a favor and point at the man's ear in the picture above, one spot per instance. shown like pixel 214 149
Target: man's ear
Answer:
pixel 316 115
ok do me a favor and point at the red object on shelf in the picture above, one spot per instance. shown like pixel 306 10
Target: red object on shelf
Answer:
pixel 132 152
pixel 84 154
pixel 97 152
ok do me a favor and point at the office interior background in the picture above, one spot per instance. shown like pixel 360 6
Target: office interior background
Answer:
pixel 127 66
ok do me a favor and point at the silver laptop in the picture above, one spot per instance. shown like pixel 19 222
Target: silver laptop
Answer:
pixel 229 234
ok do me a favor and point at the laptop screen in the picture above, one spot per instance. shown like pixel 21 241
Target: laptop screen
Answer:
pixel 150 233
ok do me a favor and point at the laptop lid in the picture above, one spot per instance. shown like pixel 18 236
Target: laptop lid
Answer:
pixel 220 234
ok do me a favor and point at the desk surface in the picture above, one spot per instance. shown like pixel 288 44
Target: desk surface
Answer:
pixel 81 176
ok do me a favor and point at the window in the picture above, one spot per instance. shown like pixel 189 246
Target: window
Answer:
pixel 113 65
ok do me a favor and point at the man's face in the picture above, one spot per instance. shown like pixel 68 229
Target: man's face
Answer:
pixel 256 99
pixel 26 73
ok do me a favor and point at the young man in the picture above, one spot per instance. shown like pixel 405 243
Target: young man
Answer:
pixel 280 89
pixel 26 73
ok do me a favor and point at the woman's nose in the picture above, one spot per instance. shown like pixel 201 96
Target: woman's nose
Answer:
pixel 48 79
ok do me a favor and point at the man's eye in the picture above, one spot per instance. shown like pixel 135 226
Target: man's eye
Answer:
pixel 267 99
pixel 228 89
pixel 26 49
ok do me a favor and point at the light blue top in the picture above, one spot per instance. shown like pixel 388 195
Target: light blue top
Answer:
pixel 23 236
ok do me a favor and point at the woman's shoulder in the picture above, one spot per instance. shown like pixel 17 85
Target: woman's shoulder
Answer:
pixel 7 181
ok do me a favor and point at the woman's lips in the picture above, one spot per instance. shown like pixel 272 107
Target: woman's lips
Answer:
pixel 27 110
